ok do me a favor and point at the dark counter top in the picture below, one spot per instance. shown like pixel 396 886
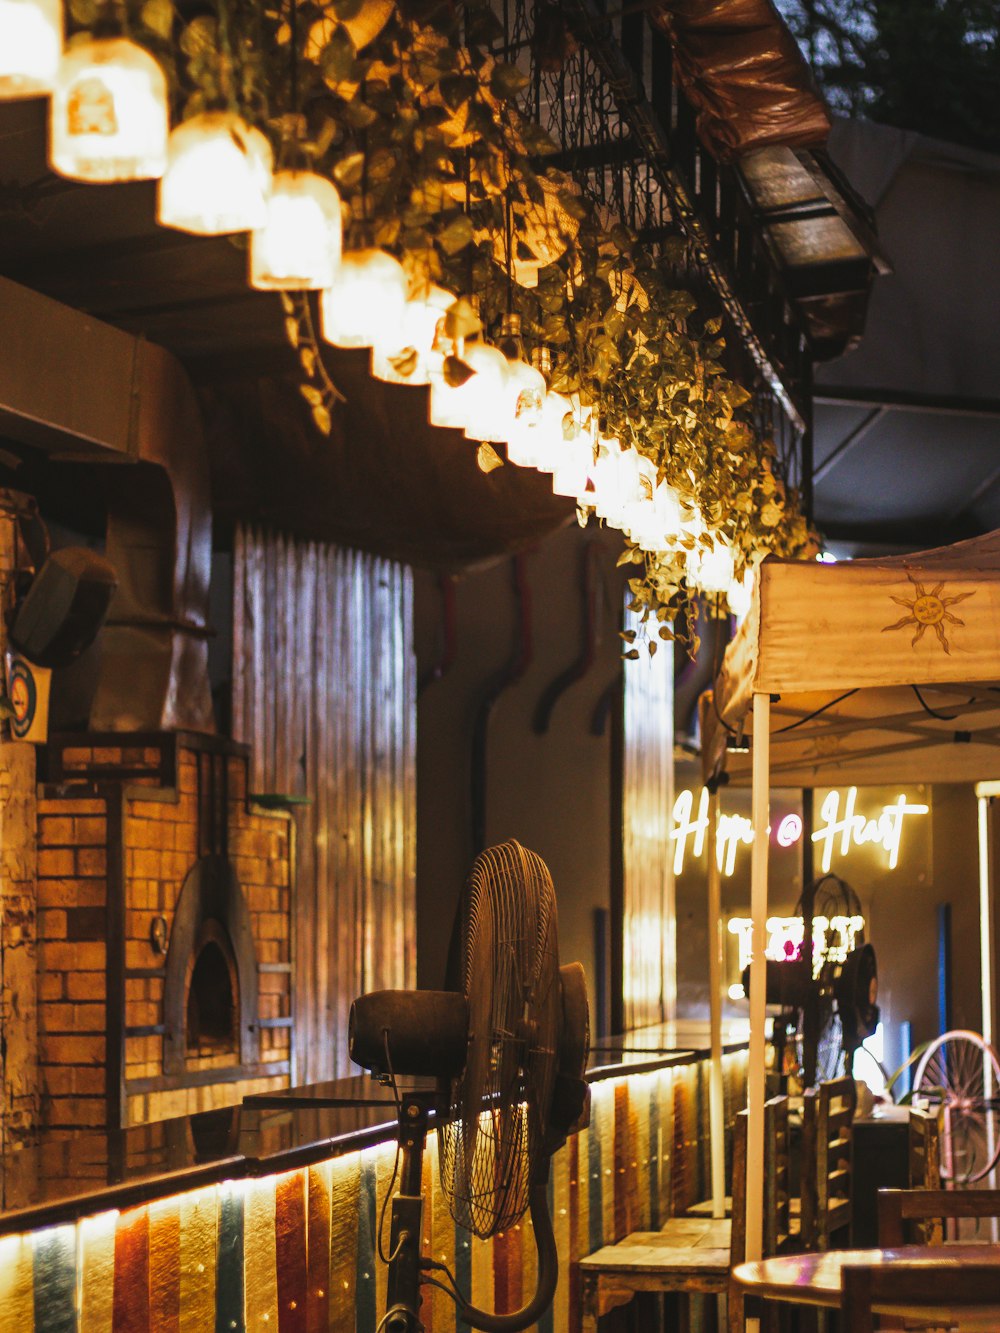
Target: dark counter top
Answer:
pixel 68 1177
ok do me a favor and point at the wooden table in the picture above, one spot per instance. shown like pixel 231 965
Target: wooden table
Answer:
pixel 814 1279
pixel 690 1254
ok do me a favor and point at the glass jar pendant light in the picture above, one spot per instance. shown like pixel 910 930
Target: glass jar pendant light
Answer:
pixel 108 118
pixel 477 399
pixel 539 441
pixel 485 395
pixel 411 353
pixel 218 176
pixel 31 40
pixel 299 246
pixel 712 570
pixel 366 297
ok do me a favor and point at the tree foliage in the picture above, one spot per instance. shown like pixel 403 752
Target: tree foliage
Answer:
pixel 927 65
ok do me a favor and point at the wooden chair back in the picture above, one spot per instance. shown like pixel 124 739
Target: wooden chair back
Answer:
pixel 925 1166
pixel 807 1171
pixel 777 1176
pixel 834 1116
pixel 776 1210
pixel 915 1289
pixel 897 1208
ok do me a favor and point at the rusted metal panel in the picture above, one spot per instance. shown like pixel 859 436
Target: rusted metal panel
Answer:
pixel 324 691
pixel 79 389
pixel 66 380
pixel 19 1077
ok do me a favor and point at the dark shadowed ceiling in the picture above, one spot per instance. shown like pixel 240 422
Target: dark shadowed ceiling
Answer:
pixel 385 480
pixel 907 426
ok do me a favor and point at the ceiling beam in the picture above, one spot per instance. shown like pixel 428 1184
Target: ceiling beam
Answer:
pixel 849 441
pixel 831 395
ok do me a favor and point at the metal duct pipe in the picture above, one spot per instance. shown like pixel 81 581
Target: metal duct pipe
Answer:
pixel 80 390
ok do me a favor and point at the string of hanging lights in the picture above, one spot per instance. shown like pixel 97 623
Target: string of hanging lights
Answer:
pixel 109 121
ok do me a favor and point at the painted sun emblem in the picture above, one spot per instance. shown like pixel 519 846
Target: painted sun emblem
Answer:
pixel 928 610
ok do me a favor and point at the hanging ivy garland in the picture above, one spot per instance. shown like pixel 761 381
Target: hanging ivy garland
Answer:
pixel 416 122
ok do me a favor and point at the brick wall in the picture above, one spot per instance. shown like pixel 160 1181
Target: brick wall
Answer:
pixel 138 812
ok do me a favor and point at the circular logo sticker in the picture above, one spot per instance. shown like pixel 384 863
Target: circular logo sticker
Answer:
pixel 23 699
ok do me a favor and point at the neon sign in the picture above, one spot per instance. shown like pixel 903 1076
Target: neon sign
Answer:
pixel 855 830
pixel 833 940
pixel 836 832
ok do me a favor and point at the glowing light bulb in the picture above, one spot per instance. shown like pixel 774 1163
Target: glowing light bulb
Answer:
pixel 485 394
pixel 218 176
pixel 740 593
pixel 607 480
pixel 713 571
pixel 661 525
pixel 417 343
pixel 31 40
pixel 108 117
pixel 574 467
pixel 638 507
pixel 298 248
pixel 556 426
pixel 523 413
pixel 366 299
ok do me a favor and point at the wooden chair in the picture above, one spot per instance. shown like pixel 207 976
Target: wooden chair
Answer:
pixel 694 1255
pixel 827 1115
pixel 925 1148
pixel 918 1216
pixel 896 1208
pixel 925 1166
pixel 919 1291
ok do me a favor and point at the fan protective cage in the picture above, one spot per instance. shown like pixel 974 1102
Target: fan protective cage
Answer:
pixel 490 1144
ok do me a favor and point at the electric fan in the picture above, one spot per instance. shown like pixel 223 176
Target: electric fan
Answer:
pixel 829 1009
pixel 508 1049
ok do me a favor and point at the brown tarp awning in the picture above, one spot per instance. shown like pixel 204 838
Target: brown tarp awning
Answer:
pixel 745 76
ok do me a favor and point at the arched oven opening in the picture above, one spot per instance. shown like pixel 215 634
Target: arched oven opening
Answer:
pixel 212 1025
pixel 210 991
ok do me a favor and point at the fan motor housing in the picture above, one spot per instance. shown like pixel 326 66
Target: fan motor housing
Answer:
pixel 426 1032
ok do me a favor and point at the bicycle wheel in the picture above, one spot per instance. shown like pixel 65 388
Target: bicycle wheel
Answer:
pixel 955 1072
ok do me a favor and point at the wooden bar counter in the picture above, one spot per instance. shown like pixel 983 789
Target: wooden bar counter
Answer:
pixel 263 1217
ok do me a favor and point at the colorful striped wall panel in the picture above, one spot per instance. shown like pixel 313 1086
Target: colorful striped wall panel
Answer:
pixel 299 1252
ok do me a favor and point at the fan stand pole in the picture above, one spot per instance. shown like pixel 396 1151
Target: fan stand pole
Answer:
pixel 403 1289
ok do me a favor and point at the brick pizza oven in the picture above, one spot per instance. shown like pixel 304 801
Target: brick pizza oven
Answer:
pixel 164 930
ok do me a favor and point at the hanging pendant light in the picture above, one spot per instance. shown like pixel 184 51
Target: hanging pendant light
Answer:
pixel 108 117
pixel 660 523
pixel 416 345
pixel 712 570
pixel 574 463
pixel 739 594
pixel 218 176
pixel 556 423
pixel 298 248
pixel 31 41
pixel 484 395
pixel 367 297
pixel 571 476
pixel 452 405
pixel 524 394
pixel 641 477
pixel 612 481
pixel 521 412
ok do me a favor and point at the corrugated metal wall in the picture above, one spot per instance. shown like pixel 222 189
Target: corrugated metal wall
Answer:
pixel 324 691
pixel 649 925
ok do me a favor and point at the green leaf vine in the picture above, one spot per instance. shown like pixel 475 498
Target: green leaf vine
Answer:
pixel 409 112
